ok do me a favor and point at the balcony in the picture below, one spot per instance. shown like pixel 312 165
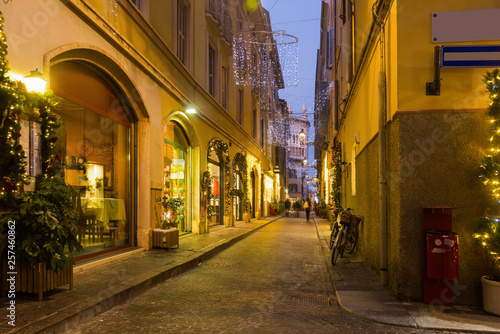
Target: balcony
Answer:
pixel 219 12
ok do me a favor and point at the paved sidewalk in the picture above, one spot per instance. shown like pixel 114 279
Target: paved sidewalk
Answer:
pixel 102 285
pixel 359 291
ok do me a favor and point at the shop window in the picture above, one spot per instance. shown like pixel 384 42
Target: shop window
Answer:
pixel 95 152
pixel 175 170
pixel 94 148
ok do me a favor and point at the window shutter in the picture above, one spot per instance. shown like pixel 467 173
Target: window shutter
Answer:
pixel 330 47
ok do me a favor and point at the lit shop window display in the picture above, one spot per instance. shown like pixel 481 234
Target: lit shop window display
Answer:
pixel 175 170
pixel 94 148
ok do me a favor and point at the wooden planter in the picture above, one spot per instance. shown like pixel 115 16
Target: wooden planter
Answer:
pixel 166 238
pixel 36 279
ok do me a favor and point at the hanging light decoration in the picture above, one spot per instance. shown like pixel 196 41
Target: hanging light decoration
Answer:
pixel 258 53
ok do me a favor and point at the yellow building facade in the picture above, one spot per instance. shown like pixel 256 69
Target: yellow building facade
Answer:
pixel 384 58
pixel 158 106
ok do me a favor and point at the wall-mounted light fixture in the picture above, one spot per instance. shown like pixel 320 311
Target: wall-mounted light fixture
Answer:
pixel 34 82
pixel 191 111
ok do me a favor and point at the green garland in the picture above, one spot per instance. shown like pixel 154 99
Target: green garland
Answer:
pixel 12 156
pixel 488 228
pixel 221 148
pixel 336 169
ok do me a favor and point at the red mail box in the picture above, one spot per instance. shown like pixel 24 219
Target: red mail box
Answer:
pixel 442 255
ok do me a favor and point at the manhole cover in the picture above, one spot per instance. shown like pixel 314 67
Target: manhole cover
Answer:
pixel 310 301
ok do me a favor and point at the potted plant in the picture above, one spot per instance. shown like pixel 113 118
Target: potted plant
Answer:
pixel 166 234
pixel 45 225
pixel 488 229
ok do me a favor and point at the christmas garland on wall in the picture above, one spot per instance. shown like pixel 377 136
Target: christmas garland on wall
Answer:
pixel 222 149
pixel 12 156
pixel 336 176
pixel 488 228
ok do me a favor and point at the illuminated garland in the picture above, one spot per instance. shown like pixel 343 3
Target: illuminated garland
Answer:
pixel 12 156
pixel 335 172
pixel 257 54
pixel 222 149
pixel 488 227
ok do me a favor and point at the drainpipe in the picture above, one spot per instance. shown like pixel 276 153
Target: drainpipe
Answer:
pixel 382 149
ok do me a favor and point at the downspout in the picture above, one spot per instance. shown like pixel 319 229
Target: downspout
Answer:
pixel 382 150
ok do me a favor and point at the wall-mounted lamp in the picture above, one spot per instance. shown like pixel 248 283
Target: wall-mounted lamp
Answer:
pixel 191 111
pixel 34 82
pixel 276 169
pixel 304 161
pixel 302 136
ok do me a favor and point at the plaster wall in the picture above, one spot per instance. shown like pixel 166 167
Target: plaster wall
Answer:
pixel 432 161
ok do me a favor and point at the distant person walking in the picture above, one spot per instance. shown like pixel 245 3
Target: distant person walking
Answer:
pixel 307 207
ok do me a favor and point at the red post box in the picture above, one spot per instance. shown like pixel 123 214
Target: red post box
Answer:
pixel 442 255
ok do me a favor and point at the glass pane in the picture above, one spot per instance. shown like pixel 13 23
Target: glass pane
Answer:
pixel 175 173
pixel 95 151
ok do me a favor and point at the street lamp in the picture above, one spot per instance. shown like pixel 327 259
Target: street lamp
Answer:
pixel 34 82
pixel 302 138
pixel 304 161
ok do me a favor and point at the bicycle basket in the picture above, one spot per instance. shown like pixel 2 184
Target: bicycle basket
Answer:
pixel 355 220
pixel 344 217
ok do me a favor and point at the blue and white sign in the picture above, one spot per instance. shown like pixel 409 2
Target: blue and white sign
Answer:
pixel 470 56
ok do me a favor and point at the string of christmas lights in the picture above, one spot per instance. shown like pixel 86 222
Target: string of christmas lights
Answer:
pixel 12 156
pixel 257 54
pixel 488 228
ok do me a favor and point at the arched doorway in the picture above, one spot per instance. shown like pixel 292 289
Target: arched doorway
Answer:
pixel 95 147
pixel 176 169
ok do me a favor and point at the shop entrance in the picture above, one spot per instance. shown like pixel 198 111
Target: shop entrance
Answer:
pixel 216 192
pixel 176 170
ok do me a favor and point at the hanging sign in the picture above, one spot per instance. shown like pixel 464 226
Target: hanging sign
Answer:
pixel 470 56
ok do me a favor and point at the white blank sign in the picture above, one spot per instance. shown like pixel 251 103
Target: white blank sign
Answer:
pixel 464 26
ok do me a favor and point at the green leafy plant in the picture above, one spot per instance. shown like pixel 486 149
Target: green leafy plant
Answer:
pixel 171 215
pixel 45 225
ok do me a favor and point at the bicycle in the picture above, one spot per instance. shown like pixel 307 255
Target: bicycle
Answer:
pixel 347 234
pixel 336 225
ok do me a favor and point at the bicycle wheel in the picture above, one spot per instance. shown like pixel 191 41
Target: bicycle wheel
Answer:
pixel 338 250
pixel 351 238
pixel 333 235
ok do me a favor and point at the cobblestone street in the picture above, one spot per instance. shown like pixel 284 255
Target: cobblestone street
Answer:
pixel 273 281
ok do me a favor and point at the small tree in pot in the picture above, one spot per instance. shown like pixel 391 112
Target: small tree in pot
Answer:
pixel 488 228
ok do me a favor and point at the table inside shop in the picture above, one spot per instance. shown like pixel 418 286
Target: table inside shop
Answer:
pixel 107 211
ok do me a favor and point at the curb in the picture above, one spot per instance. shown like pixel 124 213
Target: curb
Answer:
pixel 81 311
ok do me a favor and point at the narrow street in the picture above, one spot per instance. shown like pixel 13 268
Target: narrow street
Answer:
pixel 275 280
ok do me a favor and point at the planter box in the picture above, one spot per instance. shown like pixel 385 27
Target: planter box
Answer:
pixel 491 295
pixel 36 279
pixel 166 238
